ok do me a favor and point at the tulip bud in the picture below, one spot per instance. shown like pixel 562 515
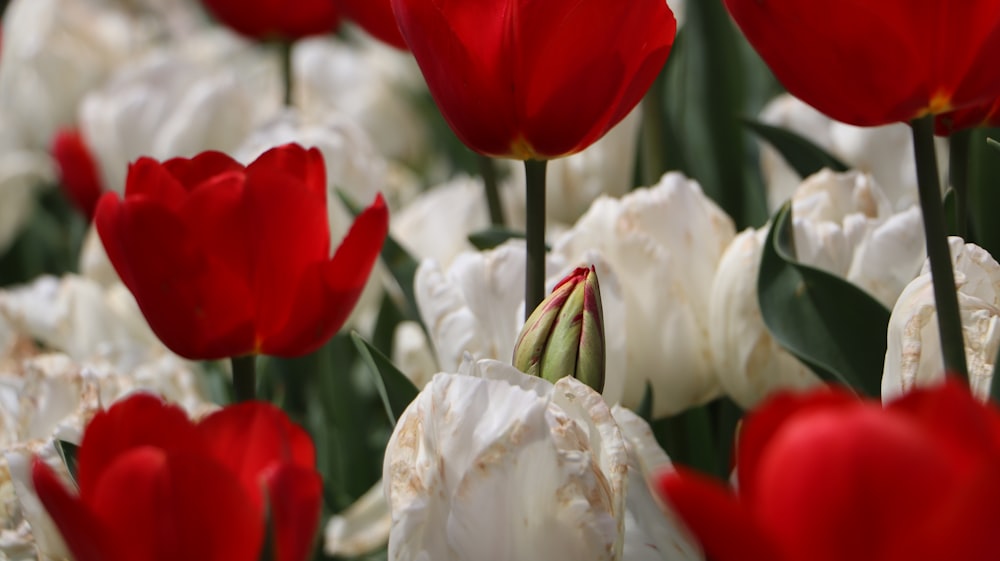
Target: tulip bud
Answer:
pixel 565 334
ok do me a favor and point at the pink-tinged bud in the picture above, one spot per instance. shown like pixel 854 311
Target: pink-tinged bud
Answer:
pixel 564 336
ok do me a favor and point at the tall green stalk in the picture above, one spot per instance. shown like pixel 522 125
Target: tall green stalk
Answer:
pixel 488 170
pixel 534 283
pixel 942 272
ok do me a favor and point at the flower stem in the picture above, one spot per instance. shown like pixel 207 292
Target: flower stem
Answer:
pixel 287 73
pixel 958 169
pixel 244 377
pixel 488 170
pixel 942 273
pixel 534 279
pixel 653 133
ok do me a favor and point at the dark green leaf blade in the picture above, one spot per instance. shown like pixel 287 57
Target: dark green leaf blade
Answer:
pixel 395 389
pixel 828 323
pixel 69 452
pixel 805 157
pixel 493 236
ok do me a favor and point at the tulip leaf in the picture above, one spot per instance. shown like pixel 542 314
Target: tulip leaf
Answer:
pixel 395 389
pixel 831 325
pixel 645 408
pixel 993 142
pixel 68 452
pixel 805 157
pixel 493 236
pixel 401 264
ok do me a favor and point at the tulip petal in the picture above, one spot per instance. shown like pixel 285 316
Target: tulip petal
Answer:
pixel 157 505
pixel 192 173
pixel 326 296
pixel 295 498
pixel 375 17
pixel 724 527
pixel 139 420
pixel 81 532
pixel 252 437
pixel 463 49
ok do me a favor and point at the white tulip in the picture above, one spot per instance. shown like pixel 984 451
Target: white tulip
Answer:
pixel 498 465
pixel 843 224
pixel 663 245
pixel 913 357
pixel 205 93
pixel 885 152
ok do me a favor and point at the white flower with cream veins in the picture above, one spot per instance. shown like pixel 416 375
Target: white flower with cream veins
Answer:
pixel 496 465
pixel 913 357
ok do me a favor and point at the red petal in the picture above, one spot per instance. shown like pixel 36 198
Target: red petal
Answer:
pixel 464 51
pixel 295 498
pixel 269 19
pixel 253 437
pixel 206 166
pixel 177 506
pixel 194 303
pixel 723 526
pixel 80 530
pixel 139 420
pixel 325 299
pixel 761 425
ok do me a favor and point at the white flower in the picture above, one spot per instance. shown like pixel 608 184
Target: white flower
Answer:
pixel 374 84
pixel 22 171
pixel 205 93
pixel 663 245
pixel 885 152
pixel 843 224
pixel 913 357
pixel 604 168
pixel 499 465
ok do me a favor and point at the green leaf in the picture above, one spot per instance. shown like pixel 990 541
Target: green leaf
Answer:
pixel 993 142
pixel 799 152
pixel 401 264
pixel 645 409
pixel 69 452
pixel 493 236
pixel 395 389
pixel 826 322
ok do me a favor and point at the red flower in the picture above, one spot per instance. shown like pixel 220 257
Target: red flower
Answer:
pixel 525 79
pixel 276 19
pixel 868 62
pixel 226 260
pixel 78 173
pixel 827 477
pixel 154 485
pixel 375 17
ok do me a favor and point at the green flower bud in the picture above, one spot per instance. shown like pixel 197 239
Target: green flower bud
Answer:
pixel 564 336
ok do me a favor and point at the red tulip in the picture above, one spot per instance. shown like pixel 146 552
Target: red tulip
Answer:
pixel 985 115
pixel 226 260
pixel 869 63
pixel 154 485
pixel 78 173
pixel 828 477
pixel 276 19
pixel 375 17
pixel 525 79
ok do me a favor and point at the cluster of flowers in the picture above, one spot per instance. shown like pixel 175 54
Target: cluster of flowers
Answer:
pixel 218 235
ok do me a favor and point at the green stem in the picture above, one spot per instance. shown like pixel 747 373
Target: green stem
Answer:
pixel 942 273
pixel 958 170
pixel 244 377
pixel 287 72
pixel 534 278
pixel 488 170
pixel 654 143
